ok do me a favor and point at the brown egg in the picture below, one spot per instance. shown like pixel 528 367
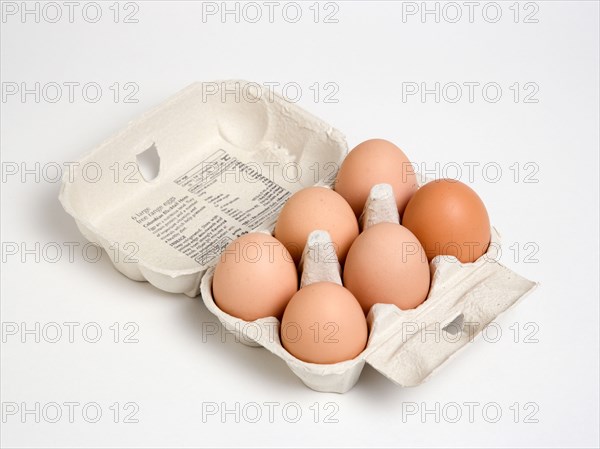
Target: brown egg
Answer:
pixel 316 208
pixel 449 218
pixel 323 323
pixel 375 161
pixel 254 278
pixel 387 264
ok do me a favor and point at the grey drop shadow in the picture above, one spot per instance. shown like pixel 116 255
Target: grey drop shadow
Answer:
pixel 377 388
pixel 55 224
pixel 255 359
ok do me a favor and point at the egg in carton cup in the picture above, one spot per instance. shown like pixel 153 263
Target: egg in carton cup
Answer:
pixel 169 226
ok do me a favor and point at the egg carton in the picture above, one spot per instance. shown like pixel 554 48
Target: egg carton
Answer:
pixel 406 346
pixel 182 181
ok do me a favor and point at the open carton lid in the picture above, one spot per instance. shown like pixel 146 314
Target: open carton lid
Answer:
pixel 166 195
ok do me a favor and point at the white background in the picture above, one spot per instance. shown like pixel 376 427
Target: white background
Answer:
pixel 171 372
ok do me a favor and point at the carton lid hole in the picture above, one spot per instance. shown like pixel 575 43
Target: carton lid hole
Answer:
pixel 148 162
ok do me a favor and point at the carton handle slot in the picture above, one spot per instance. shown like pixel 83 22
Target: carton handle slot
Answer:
pixel 455 326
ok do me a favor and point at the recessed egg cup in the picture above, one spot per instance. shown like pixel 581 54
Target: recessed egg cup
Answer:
pixel 167 194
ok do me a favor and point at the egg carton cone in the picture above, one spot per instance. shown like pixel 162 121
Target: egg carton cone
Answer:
pixel 319 261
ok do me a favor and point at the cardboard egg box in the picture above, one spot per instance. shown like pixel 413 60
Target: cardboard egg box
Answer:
pixel 220 159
